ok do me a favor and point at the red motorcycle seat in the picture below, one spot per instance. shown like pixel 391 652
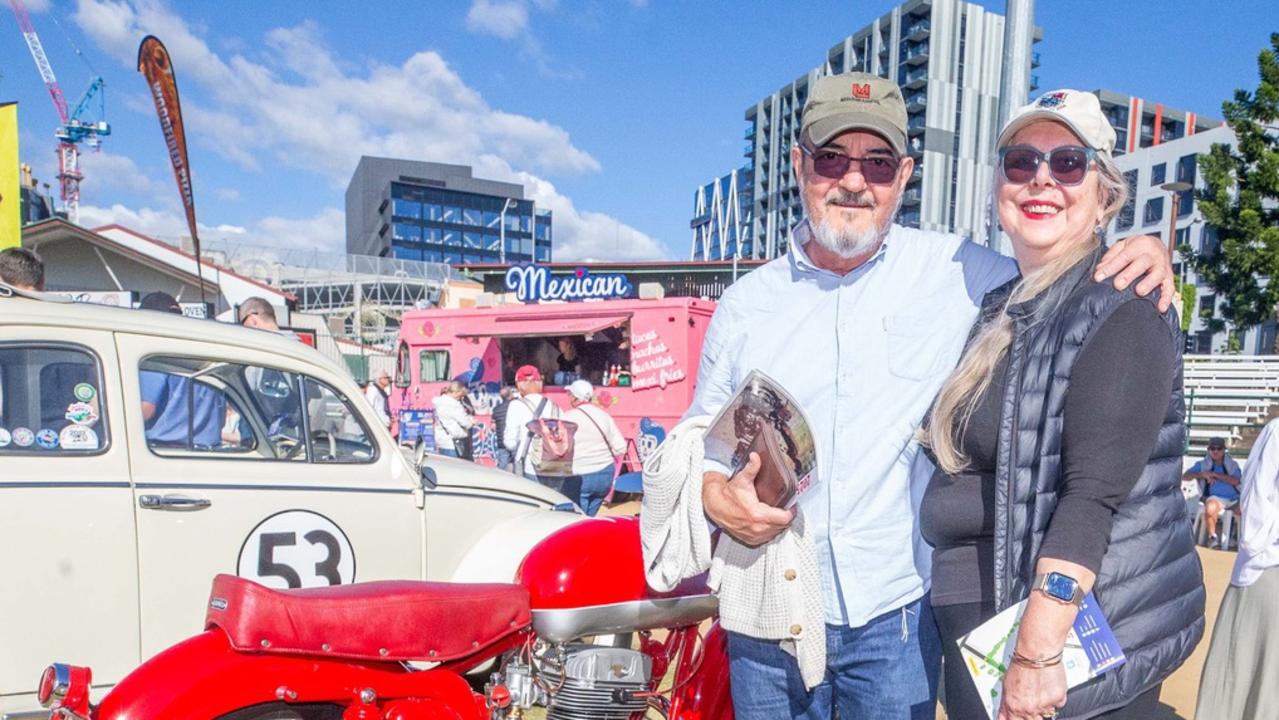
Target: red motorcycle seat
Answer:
pixel 391 620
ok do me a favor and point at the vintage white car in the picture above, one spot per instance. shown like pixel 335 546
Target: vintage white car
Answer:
pixel 141 453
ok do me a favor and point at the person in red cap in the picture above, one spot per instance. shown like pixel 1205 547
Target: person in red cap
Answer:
pixel 530 405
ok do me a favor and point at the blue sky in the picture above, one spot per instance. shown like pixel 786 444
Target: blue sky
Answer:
pixel 610 111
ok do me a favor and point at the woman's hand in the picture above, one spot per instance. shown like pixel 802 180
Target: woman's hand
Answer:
pixel 1032 693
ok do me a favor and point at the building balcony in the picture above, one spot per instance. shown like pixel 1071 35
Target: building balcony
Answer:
pixel 916 102
pixel 749 151
pixel 916 54
pixel 915 148
pixel 750 133
pixel 918 31
pixel 917 174
pixel 909 219
pixel 915 78
pixel 1034 83
pixel 911 197
pixel 1034 59
pixel 916 125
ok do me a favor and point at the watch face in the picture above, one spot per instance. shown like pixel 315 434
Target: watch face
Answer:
pixel 1060 586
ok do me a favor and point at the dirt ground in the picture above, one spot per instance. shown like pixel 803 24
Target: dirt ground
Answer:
pixel 1177 701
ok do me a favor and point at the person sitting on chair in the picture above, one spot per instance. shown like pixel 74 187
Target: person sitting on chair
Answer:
pixel 1220 473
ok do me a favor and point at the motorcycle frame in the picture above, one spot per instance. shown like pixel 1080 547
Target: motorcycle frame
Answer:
pixel 204 677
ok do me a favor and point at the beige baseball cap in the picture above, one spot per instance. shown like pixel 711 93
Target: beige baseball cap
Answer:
pixel 854 101
pixel 1080 111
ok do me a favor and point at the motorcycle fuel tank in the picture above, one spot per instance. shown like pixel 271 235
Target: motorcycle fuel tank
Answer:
pixel 588 579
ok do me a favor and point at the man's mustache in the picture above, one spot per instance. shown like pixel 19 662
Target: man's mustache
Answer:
pixel 844 197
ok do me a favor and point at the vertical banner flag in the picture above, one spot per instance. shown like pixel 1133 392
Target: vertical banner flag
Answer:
pixel 155 65
pixel 10 193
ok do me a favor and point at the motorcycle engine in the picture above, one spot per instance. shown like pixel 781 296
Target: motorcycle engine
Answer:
pixel 597 682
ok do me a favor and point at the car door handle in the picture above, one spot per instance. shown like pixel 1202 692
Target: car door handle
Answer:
pixel 173 502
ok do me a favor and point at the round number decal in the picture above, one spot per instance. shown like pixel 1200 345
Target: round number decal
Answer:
pixel 297 549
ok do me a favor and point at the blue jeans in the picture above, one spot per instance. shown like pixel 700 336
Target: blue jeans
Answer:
pixel 552 482
pixel 887 669
pixel 591 488
pixel 504 459
pixel 447 452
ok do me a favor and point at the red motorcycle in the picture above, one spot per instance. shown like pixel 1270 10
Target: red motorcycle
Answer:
pixel 401 650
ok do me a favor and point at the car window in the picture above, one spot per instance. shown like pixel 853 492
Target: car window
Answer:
pixel 433 365
pixel 336 433
pixel 204 407
pixel 50 401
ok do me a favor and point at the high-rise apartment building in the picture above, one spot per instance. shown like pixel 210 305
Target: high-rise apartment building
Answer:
pixel 1141 123
pixel 722 218
pixel 435 212
pixel 1153 210
pixel 947 57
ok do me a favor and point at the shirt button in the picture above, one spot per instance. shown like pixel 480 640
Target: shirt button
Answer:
pixel 789 574
pixel 795 629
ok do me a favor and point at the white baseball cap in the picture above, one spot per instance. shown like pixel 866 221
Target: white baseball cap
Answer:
pixel 581 390
pixel 1080 111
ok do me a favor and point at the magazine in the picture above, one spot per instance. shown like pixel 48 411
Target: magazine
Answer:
pixel 763 418
pixel 1091 649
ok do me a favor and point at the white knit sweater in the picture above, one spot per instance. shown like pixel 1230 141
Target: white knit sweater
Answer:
pixel 770 592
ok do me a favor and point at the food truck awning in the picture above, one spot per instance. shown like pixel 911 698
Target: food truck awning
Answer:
pixel 545 326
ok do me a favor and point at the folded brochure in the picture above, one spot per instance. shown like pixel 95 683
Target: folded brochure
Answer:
pixel 1090 650
pixel 763 418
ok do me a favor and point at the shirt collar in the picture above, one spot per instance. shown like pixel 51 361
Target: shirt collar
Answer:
pixel 801 263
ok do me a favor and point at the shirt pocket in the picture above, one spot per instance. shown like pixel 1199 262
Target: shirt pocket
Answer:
pixel 917 345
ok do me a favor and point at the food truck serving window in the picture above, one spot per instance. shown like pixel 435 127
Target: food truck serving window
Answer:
pixel 602 356
pixel 433 365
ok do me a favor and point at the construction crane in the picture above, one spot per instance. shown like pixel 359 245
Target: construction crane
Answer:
pixel 75 126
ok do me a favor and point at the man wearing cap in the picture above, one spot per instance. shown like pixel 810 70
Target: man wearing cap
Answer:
pixel 530 405
pixel 1220 476
pixel 178 411
pixel 377 394
pixel 861 322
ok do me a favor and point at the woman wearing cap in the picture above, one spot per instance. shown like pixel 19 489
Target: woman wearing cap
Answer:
pixel 596 446
pixel 1058 441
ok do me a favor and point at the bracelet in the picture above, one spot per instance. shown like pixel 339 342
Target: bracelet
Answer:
pixel 1037 663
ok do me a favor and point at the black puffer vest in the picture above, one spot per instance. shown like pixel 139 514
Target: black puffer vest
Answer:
pixel 1150 585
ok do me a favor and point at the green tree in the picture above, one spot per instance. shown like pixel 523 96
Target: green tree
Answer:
pixel 1241 204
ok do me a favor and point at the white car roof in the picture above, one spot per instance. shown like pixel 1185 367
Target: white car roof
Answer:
pixel 40 309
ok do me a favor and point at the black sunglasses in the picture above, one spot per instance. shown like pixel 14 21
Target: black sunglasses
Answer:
pixel 1067 164
pixel 876 169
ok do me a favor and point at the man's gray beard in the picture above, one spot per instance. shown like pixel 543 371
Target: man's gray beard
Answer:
pixel 847 243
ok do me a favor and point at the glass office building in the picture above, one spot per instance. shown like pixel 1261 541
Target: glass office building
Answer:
pixel 433 212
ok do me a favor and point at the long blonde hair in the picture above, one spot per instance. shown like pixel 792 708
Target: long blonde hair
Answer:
pixel 948 420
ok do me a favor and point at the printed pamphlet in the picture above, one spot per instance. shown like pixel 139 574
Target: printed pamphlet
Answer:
pixel 1091 649
pixel 763 418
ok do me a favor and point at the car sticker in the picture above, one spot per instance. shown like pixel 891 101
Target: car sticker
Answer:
pixel 23 437
pixel 297 549
pixel 78 437
pixel 81 413
pixel 47 439
pixel 5 438
pixel 84 392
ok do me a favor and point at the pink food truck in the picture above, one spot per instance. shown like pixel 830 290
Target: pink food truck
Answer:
pixel 641 356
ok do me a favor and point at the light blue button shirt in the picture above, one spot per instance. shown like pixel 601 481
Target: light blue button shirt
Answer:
pixel 863 354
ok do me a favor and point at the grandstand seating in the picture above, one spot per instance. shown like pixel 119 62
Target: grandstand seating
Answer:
pixel 1230 396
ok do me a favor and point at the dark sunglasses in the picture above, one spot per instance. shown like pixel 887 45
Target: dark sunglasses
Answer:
pixel 1067 164
pixel 877 170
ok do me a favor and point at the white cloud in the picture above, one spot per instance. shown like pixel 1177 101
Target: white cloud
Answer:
pixel 295 105
pixel 507 19
pixel 227 194
pixel 323 232
pixel 104 170
pixel 37 6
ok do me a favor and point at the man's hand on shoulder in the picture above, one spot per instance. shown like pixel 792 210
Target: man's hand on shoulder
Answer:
pixel 734 506
pixel 1142 257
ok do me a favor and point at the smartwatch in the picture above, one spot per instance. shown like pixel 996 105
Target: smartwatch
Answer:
pixel 1059 587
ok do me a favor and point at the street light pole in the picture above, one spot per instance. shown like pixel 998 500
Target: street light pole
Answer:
pixel 1175 189
pixel 501 231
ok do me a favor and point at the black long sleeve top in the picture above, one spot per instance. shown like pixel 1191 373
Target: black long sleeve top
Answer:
pixel 1118 394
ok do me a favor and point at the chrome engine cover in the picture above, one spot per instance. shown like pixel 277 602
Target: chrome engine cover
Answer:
pixel 564 625
pixel 595 681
